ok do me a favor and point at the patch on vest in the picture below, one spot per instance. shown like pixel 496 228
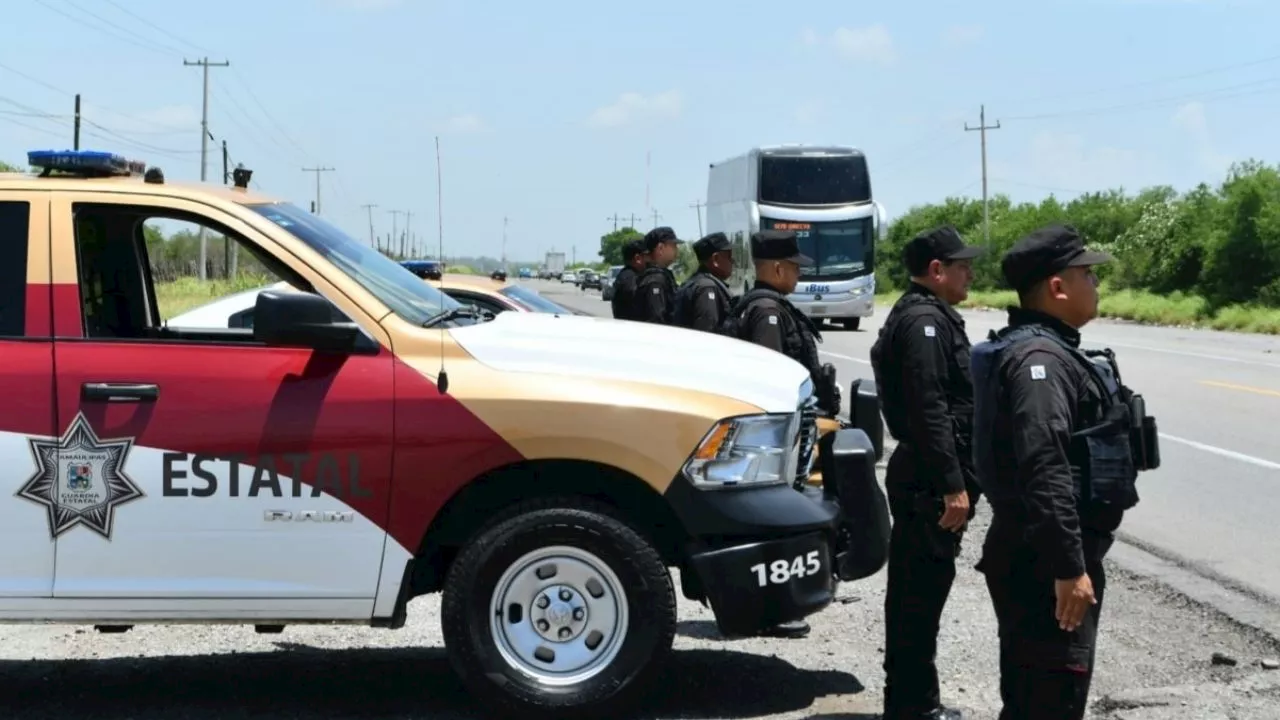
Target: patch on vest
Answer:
pixel 773 319
pixel 1037 372
pixel 929 331
pixel 711 294
pixel 655 291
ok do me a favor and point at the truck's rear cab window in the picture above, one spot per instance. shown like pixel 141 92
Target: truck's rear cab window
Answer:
pixel 15 225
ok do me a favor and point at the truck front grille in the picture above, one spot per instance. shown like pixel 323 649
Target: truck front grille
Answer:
pixel 808 439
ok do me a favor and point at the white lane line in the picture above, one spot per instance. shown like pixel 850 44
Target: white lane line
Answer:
pixel 1186 353
pixel 1223 452
pixel 845 357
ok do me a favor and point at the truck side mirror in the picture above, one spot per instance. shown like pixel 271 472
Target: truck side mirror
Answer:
pixel 864 412
pixel 301 319
pixel 849 479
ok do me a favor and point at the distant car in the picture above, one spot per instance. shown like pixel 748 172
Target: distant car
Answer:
pixel 569 277
pixel 427 269
pixel 590 280
pixel 606 290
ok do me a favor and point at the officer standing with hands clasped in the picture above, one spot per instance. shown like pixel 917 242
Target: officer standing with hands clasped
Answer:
pixel 624 285
pixel 703 301
pixel 656 289
pixel 1059 442
pixel 921 365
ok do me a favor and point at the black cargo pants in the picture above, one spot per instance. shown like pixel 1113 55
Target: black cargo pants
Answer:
pixel 1045 671
pixel 921 570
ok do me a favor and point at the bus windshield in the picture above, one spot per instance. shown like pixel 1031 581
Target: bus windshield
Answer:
pixel 842 248
pixel 389 281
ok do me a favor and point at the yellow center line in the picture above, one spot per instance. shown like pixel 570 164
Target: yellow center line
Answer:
pixel 1241 388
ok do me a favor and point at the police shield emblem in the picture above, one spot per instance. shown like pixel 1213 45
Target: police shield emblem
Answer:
pixel 79 477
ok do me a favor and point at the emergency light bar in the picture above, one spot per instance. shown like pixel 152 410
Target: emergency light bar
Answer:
pixel 85 163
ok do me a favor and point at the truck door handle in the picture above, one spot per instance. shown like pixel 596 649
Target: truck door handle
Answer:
pixel 120 392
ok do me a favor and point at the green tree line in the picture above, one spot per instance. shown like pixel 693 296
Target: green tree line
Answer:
pixel 1217 246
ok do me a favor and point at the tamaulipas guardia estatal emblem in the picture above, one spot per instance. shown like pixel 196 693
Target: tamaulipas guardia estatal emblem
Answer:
pixel 80 479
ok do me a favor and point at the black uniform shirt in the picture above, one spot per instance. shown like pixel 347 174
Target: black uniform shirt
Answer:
pixel 921 361
pixel 1047 395
pixel 655 295
pixel 776 324
pixel 624 294
pixel 703 302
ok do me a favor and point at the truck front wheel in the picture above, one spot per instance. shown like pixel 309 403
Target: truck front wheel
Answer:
pixel 559 610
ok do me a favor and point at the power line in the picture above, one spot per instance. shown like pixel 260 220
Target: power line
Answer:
pixel 983 128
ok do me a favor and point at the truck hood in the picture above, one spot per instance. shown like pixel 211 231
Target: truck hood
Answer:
pixel 608 349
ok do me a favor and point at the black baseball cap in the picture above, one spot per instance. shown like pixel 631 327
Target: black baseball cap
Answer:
pixel 777 245
pixel 939 243
pixel 660 235
pixel 1043 252
pixel 711 244
pixel 632 248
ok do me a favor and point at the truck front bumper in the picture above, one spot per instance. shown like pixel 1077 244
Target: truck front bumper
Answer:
pixel 764 556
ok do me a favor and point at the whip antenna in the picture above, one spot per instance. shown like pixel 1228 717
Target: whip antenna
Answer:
pixel 442 382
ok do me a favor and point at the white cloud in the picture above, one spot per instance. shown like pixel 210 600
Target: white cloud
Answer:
pixel 465 123
pixel 871 43
pixel 961 35
pixel 1062 160
pixel 632 107
pixel 809 36
pixel 1192 120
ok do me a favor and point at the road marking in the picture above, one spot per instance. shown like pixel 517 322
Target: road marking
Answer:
pixel 1223 452
pixel 1241 388
pixel 846 357
pixel 1187 353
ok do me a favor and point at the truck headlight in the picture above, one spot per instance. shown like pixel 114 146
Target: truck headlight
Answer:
pixel 748 450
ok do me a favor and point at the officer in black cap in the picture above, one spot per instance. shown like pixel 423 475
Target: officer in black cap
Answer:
pixel 703 301
pixel 624 285
pixel 921 366
pixel 1058 443
pixel 656 289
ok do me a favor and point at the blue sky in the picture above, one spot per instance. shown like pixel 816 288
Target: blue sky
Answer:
pixel 560 114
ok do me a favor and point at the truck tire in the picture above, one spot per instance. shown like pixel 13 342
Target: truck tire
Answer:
pixel 559 610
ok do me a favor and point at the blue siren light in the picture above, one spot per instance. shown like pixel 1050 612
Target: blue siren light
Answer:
pixel 85 163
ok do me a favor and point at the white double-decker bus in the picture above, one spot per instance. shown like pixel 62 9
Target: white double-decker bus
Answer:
pixel 823 193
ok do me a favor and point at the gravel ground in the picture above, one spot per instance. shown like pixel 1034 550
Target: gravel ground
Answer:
pixel 1154 664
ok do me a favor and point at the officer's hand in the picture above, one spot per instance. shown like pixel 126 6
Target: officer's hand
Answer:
pixel 1074 598
pixel 956 511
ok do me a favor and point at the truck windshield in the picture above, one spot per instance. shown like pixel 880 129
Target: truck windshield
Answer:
pixel 840 249
pixel 393 284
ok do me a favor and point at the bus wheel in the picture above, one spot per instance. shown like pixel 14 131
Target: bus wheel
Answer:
pixel 851 323
pixel 558 610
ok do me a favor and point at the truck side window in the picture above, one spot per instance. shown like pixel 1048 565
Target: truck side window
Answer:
pixel 140 275
pixel 14 222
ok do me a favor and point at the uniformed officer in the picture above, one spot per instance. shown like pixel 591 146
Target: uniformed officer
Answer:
pixel 703 301
pixel 656 288
pixel 1054 454
pixel 766 317
pixel 921 366
pixel 624 285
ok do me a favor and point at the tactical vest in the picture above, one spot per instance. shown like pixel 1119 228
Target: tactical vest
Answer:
pixel 1101 455
pixel 700 282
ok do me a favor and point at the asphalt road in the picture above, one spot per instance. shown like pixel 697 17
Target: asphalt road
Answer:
pixel 1207 519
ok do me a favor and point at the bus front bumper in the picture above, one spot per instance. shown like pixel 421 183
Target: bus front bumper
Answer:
pixel 819 308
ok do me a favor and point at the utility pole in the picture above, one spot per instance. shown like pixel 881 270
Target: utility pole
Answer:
pixel 227 245
pixel 406 242
pixel 504 243
pixel 632 220
pixel 982 128
pixel 372 238
pixel 395 215
pixel 77 132
pixel 615 220
pixel 204 144
pixel 655 218
pixel 317 171
pixel 698 207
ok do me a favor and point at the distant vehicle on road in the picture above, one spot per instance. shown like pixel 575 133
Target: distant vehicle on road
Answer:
pixel 590 280
pixel 429 269
pixel 823 193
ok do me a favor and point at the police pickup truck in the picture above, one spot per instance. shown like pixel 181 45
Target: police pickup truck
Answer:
pixel 370 440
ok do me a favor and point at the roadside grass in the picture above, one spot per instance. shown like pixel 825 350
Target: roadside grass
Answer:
pixel 1176 309
pixel 183 294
